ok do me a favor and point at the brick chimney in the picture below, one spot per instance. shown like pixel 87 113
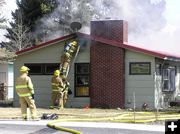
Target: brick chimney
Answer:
pixel 107 82
pixel 110 29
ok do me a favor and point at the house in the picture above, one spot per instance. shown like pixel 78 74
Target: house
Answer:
pixel 6 77
pixel 107 72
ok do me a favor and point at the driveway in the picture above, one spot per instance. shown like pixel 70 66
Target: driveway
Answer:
pixel 39 127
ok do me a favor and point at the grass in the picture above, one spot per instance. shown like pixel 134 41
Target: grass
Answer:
pixel 94 114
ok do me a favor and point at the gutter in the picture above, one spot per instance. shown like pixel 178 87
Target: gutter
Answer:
pixel 172 59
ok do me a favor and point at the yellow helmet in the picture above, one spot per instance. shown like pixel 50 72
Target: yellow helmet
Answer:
pixel 24 69
pixel 56 72
pixel 74 43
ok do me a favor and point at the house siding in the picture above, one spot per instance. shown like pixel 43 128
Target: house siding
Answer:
pixel 10 81
pixel 42 84
pixel 83 57
pixel 142 86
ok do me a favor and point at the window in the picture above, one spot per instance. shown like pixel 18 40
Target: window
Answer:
pixel 169 74
pixel 82 79
pixel 42 69
pixel 139 68
pixel 50 68
pixel 35 68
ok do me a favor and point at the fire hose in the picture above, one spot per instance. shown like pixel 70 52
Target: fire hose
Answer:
pixel 125 117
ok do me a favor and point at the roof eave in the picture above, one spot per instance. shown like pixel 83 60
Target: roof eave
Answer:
pixel 45 44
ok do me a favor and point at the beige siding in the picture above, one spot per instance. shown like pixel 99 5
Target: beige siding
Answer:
pixel 83 57
pixel 140 85
pixel 42 85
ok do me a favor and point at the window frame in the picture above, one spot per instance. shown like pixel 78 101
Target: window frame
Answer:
pixel 81 74
pixel 133 63
pixel 43 68
pixel 169 70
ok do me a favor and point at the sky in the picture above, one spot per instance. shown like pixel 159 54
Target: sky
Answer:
pixel 167 38
pixel 9 6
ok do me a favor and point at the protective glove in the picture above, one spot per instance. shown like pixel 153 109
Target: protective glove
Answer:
pixel 32 96
pixel 69 92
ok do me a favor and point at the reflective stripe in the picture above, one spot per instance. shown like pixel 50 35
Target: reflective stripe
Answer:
pixel 21 86
pixel 30 87
pixel 54 84
pixel 23 95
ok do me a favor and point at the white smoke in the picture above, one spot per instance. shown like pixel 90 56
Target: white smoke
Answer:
pixel 149 21
pixel 165 39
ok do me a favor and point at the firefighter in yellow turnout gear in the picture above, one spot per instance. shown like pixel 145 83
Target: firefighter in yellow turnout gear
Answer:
pixel 66 57
pixel 25 91
pixel 64 92
pixel 57 87
pixel 64 96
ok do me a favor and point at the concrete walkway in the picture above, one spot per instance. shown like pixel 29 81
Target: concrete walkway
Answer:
pixel 129 126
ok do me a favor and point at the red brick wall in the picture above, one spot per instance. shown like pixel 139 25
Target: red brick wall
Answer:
pixel 111 29
pixel 106 76
pixel 107 82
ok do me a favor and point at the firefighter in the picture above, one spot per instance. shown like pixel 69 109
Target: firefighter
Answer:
pixel 65 62
pixel 25 91
pixel 64 93
pixel 57 87
pixel 71 47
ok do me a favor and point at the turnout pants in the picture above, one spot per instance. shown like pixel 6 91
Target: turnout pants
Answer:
pixel 55 96
pixel 26 102
pixel 63 98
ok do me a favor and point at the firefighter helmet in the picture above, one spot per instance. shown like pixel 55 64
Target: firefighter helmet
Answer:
pixel 74 43
pixel 24 69
pixel 56 72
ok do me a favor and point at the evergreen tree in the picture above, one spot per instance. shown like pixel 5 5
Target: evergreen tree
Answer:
pixel 68 11
pixel 2 19
pixel 33 10
pixel 19 34
pixel 25 18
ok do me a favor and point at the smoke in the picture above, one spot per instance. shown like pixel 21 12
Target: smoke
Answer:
pixel 58 23
pixel 149 21
pixel 166 38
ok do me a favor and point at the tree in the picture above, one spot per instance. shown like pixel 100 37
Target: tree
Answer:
pixel 33 10
pixel 20 33
pixel 68 11
pixel 6 55
pixel 2 19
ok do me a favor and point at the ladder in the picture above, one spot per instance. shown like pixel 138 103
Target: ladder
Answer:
pixel 70 53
